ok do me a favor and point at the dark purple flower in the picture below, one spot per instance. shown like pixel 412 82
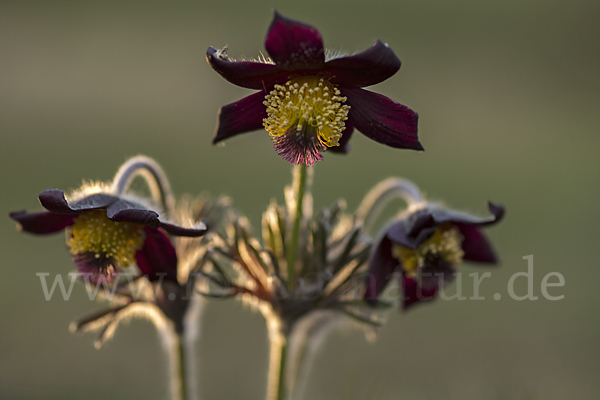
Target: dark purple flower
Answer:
pixel 424 247
pixel 309 102
pixel 106 232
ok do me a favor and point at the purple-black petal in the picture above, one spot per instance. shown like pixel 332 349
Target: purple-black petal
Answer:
pixel 293 45
pixel 414 293
pixel 374 65
pixel 412 230
pixel 157 258
pixel 243 116
pixel 381 268
pixel 382 119
pixel 417 227
pixel 443 215
pixel 93 202
pixel 248 74
pixel 199 230
pixel 124 211
pixel 343 147
pixel 430 279
pixel 54 200
pixel 42 222
pixel 475 245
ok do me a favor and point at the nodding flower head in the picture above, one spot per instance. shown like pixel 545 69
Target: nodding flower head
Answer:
pixel 424 245
pixel 309 102
pixel 163 300
pixel 108 230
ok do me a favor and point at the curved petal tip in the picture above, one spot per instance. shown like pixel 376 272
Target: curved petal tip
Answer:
pixel 496 210
pixel 294 45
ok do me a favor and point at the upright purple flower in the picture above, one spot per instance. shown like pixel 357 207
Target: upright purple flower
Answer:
pixel 309 102
pixel 424 246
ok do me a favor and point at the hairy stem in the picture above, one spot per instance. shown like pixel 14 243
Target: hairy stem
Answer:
pixel 384 192
pixel 276 385
pixel 154 176
pixel 179 381
pixel 299 190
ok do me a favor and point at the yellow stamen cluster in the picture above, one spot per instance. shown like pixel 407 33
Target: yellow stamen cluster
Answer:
pixel 303 104
pixel 93 232
pixel 445 243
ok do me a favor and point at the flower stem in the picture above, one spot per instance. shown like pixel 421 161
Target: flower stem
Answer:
pixel 154 176
pixel 276 388
pixel 179 382
pixel 384 192
pixel 299 189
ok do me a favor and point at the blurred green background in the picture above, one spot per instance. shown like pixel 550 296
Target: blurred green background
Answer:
pixel 508 96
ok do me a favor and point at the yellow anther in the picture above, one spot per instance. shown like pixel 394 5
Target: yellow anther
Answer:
pixel 93 232
pixel 305 103
pixel 445 243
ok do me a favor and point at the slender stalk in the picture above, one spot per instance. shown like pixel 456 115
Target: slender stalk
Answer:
pixel 304 340
pixel 276 386
pixel 382 194
pixel 181 336
pixel 179 383
pixel 297 356
pixel 154 176
pixel 299 189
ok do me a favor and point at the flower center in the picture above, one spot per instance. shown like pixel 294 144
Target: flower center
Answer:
pixel 305 116
pixel 94 234
pixel 444 245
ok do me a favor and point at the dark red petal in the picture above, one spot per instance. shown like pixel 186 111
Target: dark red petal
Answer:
pixel 294 45
pixel 248 74
pixel 382 119
pixel 243 116
pixel 414 293
pixel 54 200
pixel 198 230
pixel 475 245
pixel 124 211
pixel 42 222
pixel 157 258
pixel 374 65
pixel 381 269
pixel 344 147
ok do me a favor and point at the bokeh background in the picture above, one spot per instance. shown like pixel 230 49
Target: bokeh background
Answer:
pixel 508 97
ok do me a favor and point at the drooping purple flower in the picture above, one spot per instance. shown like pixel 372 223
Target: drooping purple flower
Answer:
pixel 107 232
pixel 176 301
pixel 309 102
pixel 424 246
